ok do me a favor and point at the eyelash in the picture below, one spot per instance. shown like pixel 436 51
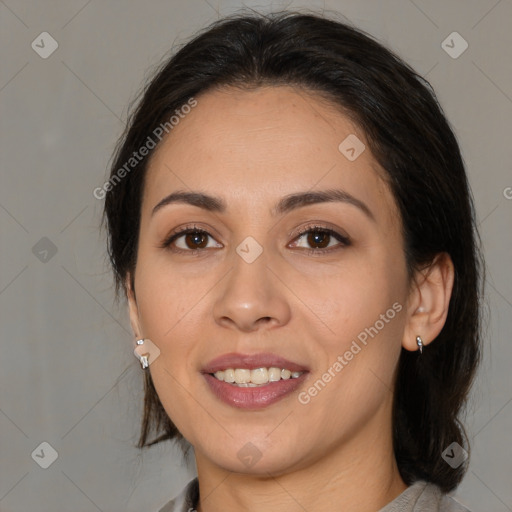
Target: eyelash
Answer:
pixel 344 241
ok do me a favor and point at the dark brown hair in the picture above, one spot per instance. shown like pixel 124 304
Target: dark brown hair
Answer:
pixel 411 139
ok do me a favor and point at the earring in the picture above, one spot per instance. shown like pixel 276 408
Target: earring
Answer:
pixel 419 341
pixel 143 358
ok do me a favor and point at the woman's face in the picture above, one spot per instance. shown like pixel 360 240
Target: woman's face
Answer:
pixel 262 289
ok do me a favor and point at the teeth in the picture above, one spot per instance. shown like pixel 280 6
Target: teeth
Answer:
pixel 274 374
pixel 285 374
pixel 243 377
pixel 259 376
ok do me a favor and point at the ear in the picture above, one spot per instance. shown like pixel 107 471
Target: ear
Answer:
pixel 133 309
pixel 428 302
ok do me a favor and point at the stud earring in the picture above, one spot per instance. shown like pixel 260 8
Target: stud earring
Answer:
pixel 143 358
pixel 419 341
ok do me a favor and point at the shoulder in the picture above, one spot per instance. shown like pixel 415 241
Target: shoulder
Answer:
pixel 449 504
pixel 186 501
pixel 424 497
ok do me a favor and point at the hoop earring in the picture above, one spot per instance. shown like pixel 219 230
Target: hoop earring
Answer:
pixel 143 358
pixel 419 341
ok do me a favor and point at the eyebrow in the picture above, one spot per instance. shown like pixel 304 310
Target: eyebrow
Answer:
pixel 284 205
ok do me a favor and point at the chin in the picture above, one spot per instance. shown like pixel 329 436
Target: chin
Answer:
pixel 255 454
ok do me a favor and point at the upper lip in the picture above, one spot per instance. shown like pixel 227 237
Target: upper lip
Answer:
pixel 251 361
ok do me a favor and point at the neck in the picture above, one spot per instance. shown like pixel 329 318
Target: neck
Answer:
pixel 361 474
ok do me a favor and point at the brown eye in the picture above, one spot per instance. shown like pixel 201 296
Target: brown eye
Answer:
pixel 319 239
pixel 189 240
pixel 196 240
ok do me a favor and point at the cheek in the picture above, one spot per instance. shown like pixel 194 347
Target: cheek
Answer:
pixel 349 298
pixel 164 314
pixel 165 298
pixel 363 308
pixel 164 318
pixel 169 306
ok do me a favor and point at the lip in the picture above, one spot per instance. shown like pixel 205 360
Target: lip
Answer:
pixel 250 362
pixel 252 397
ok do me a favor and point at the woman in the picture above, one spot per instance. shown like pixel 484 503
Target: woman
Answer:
pixel 290 219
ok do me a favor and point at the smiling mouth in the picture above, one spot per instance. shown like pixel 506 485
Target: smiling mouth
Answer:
pixel 245 378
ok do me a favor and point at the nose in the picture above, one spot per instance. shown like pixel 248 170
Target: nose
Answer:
pixel 252 297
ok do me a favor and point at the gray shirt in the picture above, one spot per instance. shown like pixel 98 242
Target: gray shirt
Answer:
pixel 419 497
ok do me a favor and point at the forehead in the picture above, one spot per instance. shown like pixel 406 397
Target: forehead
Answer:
pixel 263 143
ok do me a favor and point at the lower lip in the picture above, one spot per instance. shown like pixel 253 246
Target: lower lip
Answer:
pixel 253 397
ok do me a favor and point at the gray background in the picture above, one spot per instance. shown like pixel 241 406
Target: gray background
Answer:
pixel 68 375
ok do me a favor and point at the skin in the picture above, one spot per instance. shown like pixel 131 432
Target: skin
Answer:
pixel 251 148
